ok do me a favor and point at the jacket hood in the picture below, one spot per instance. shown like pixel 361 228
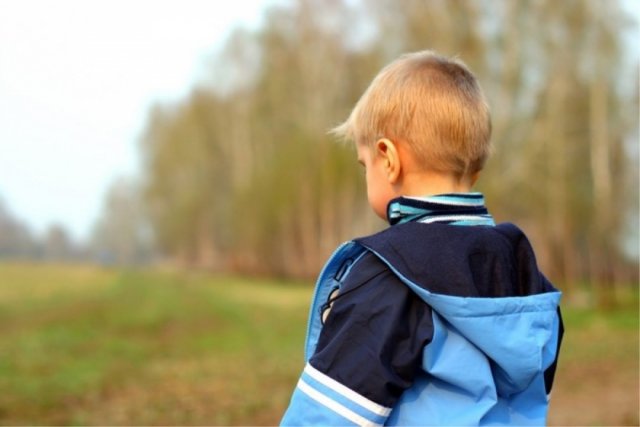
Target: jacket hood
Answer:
pixel 479 280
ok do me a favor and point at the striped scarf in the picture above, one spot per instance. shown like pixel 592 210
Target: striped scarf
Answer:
pixel 454 208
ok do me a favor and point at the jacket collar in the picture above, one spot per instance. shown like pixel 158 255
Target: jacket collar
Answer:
pixel 453 208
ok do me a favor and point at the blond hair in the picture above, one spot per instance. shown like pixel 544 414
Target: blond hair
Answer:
pixel 431 103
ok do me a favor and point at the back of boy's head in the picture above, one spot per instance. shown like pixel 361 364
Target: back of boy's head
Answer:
pixel 432 104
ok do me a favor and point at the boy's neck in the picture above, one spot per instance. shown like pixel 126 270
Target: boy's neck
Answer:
pixel 420 184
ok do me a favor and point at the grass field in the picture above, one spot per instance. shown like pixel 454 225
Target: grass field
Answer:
pixel 84 346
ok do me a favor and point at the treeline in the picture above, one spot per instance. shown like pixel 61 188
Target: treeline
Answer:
pixel 18 241
pixel 241 175
pixel 122 236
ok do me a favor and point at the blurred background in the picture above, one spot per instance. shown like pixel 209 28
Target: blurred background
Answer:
pixel 168 191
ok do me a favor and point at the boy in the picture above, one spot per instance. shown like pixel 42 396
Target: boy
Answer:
pixel 444 317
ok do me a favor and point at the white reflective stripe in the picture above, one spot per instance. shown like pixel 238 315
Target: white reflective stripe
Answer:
pixel 347 392
pixel 335 406
pixel 454 218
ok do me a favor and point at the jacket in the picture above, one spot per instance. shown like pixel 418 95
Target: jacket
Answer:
pixel 430 324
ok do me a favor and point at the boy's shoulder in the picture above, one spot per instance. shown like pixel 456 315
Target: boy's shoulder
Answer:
pixel 460 260
pixel 440 238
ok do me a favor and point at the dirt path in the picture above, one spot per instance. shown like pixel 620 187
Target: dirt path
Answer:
pixel 593 394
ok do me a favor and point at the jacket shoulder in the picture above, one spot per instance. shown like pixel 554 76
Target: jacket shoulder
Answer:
pixel 467 261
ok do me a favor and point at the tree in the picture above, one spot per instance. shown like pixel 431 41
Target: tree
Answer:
pixel 58 245
pixel 16 240
pixel 122 235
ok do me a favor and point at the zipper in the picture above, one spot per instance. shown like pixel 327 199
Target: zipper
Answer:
pixel 342 270
pixel 314 301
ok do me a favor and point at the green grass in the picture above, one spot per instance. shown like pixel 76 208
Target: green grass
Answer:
pixel 83 345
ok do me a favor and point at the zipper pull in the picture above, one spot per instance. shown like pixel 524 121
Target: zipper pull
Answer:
pixel 343 270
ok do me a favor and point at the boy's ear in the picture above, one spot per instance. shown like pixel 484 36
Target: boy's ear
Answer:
pixel 388 153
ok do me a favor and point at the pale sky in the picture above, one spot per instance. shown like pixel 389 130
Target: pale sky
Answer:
pixel 76 81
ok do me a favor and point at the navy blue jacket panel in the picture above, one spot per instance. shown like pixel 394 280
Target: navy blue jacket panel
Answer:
pixel 479 261
pixel 373 337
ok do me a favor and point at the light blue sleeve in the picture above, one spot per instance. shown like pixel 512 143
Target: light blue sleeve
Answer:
pixel 321 401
